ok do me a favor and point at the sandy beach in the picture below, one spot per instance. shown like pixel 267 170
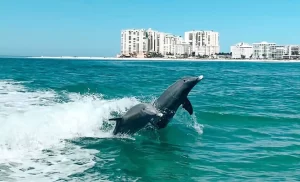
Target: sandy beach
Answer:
pixel 163 59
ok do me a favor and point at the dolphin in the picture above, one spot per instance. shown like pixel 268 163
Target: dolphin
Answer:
pixel 136 118
pixel 174 96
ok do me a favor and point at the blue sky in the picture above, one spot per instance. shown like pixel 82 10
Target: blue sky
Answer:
pixel 92 27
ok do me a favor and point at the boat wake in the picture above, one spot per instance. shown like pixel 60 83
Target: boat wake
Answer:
pixel 35 127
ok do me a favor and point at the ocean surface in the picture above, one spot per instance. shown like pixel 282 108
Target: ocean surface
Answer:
pixel 54 121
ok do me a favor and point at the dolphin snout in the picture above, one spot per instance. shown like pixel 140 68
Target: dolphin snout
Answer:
pixel 200 77
pixel 159 114
pixel 152 111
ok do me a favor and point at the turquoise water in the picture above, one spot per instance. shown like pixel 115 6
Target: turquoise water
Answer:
pixel 53 122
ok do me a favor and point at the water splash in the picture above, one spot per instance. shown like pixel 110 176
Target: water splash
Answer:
pixel 188 120
pixel 198 127
pixel 34 130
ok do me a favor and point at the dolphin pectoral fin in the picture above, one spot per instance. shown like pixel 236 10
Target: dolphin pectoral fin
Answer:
pixel 188 106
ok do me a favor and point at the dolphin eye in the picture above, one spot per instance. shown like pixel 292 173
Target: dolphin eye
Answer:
pixel 184 80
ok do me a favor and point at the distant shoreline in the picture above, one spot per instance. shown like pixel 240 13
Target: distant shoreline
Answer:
pixel 162 59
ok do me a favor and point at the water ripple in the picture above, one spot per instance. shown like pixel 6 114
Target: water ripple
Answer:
pixel 53 115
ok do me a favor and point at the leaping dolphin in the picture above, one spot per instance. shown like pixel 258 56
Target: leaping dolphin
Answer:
pixel 175 95
pixel 161 111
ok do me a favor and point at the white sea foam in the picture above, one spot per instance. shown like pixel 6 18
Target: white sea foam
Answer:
pixel 34 128
pixel 198 127
pixel 32 122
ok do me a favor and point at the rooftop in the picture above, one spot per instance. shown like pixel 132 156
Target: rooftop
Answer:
pixel 201 31
pixel 243 44
pixel 264 42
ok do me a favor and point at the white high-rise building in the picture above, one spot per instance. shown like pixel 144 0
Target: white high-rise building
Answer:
pixel 292 52
pixel 263 50
pixel 154 40
pixel 134 41
pixel 161 43
pixel 241 50
pixel 203 42
pixel 169 44
pixel 143 41
pixel 182 47
pixel 278 51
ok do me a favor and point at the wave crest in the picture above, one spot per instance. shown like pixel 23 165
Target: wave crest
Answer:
pixel 32 122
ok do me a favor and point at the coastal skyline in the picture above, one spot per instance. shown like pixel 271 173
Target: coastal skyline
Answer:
pixel 144 42
pixel 59 28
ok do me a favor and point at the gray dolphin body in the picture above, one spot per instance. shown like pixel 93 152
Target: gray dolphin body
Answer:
pixel 175 95
pixel 136 118
pixel 161 111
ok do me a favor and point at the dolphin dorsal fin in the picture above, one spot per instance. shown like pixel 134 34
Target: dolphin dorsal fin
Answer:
pixel 118 121
pixel 115 119
pixel 187 106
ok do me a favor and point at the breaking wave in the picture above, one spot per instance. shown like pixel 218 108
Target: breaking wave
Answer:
pixel 36 124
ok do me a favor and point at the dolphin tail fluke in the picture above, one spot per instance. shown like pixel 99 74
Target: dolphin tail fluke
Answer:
pixel 188 106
